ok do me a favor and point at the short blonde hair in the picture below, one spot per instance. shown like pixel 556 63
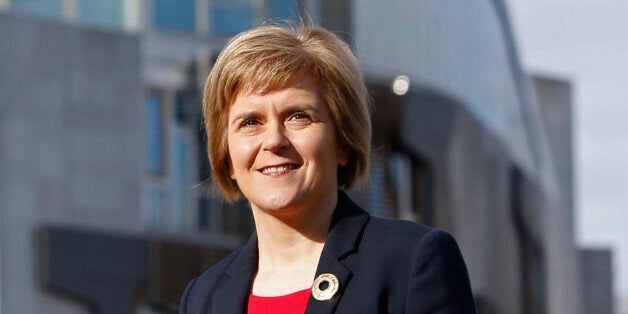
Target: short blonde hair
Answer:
pixel 267 58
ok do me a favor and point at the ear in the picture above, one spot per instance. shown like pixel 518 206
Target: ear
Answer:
pixel 231 172
pixel 343 156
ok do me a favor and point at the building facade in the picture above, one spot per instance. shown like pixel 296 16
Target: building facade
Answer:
pixel 104 169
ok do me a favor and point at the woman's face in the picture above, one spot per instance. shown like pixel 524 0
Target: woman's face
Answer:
pixel 283 148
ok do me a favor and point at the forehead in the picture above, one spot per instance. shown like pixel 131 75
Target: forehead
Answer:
pixel 271 79
pixel 299 89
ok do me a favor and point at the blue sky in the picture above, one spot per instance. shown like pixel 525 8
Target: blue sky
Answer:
pixel 586 41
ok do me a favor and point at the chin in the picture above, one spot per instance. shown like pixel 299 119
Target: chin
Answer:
pixel 279 201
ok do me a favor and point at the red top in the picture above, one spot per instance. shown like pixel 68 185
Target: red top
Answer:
pixel 284 304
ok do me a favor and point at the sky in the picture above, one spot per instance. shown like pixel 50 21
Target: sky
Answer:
pixel 586 42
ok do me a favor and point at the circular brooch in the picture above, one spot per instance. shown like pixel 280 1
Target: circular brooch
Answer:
pixel 325 287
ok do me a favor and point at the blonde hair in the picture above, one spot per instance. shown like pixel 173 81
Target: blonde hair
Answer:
pixel 267 58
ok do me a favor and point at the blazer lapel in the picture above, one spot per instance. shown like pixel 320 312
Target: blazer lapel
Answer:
pixel 343 239
pixel 232 296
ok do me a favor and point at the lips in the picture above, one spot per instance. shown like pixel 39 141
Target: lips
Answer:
pixel 278 168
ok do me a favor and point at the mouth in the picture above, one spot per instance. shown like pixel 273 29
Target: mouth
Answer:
pixel 279 169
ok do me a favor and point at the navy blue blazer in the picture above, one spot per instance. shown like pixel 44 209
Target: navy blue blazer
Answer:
pixel 384 266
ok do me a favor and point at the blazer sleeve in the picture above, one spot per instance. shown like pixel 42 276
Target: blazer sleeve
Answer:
pixel 183 306
pixel 439 282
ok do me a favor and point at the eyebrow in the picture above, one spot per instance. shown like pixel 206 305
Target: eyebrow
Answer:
pixel 244 115
pixel 289 108
pixel 301 107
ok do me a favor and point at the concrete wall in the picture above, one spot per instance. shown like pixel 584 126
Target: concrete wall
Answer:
pixel 70 144
pixel 597 274
pixel 554 97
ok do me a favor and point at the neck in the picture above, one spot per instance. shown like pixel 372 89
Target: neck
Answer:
pixel 290 243
pixel 291 236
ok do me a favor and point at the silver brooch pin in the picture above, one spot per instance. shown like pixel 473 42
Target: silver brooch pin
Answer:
pixel 325 287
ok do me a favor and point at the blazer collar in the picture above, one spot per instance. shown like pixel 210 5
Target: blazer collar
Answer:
pixel 343 239
pixel 232 296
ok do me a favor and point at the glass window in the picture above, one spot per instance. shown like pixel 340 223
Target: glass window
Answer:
pixel 205 219
pixel 51 8
pixel 180 179
pixel 231 17
pixel 411 182
pixel 101 12
pixel 154 133
pixel 157 201
pixel 284 9
pixel 377 198
pixel 176 15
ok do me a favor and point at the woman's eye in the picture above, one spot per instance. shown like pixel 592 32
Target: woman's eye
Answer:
pixel 249 123
pixel 299 116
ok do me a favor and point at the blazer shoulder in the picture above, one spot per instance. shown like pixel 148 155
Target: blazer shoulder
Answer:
pixel 430 259
pixel 213 273
pixel 410 237
pixel 402 229
pixel 200 287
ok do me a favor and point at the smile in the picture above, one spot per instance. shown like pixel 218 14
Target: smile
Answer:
pixel 279 169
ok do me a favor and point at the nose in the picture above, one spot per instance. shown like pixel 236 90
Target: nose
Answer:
pixel 275 138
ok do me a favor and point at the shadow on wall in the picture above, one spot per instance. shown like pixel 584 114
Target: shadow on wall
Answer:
pixel 116 274
pixel 484 306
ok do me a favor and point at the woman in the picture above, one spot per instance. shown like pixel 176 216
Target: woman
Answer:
pixel 288 128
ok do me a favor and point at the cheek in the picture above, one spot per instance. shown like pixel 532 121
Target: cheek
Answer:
pixel 323 147
pixel 241 154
